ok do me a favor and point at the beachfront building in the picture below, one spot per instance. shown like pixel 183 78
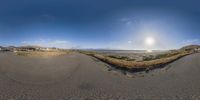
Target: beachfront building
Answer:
pixel 35 48
pixel 43 49
pixel 1 48
pixel 197 49
pixel 49 49
pixel 27 48
pixel 32 48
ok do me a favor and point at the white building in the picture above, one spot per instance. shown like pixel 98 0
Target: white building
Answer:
pixel 197 49
pixel 44 49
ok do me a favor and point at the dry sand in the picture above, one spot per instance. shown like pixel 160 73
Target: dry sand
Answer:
pixel 80 77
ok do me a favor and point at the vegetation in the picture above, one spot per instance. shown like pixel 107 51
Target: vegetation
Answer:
pixel 121 57
pixel 159 56
pixel 41 53
pixel 148 58
pixel 150 62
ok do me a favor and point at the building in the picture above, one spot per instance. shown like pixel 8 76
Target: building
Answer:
pixel 197 50
pixel 27 48
pixel 1 48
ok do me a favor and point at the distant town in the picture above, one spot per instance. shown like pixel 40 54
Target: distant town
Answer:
pixel 28 48
pixel 195 48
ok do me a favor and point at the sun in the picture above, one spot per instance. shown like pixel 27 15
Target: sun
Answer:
pixel 150 41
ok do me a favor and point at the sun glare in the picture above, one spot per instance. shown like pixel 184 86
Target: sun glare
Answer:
pixel 149 41
pixel 149 51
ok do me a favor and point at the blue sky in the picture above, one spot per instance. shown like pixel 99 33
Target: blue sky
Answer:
pixel 113 24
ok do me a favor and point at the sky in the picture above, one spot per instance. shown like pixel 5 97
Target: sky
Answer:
pixel 100 24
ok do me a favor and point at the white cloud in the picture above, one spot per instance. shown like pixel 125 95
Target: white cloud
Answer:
pixel 24 42
pixel 128 22
pixel 192 41
pixel 125 19
pixel 130 42
pixel 59 42
pixel 50 43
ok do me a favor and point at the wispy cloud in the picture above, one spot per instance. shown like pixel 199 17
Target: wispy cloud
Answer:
pixel 47 16
pixel 130 42
pixel 128 21
pixel 192 41
pixel 50 43
pixel 59 42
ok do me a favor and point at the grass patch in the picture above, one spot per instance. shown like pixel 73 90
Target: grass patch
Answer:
pixel 21 53
pixel 41 53
pixel 121 57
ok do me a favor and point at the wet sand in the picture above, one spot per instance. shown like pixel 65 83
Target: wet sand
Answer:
pixel 80 77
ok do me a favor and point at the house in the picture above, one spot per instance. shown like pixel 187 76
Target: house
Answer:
pixel 27 48
pixel 43 49
pixel 11 48
pixel 48 49
pixel 1 48
pixel 191 48
pixel 197 50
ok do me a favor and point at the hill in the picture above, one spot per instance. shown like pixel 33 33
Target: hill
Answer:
pixel 190 47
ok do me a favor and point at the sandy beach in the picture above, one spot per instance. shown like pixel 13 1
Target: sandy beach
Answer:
pixel 80 77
